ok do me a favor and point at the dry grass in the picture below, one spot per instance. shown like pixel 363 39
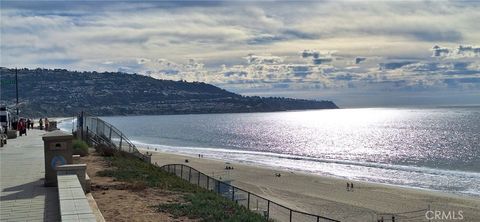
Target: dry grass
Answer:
pixel 123 201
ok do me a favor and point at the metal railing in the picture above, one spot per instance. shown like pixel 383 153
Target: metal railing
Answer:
pixel 97 131
pixel 414 215
pixel 269 209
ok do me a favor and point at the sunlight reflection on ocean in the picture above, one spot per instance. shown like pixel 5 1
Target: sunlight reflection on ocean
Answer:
pixel 425 148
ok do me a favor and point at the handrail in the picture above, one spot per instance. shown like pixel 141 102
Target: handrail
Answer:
pixel 90 127
pixel 269 214
pixel 116 129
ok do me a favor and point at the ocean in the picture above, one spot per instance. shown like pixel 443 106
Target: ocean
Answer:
pixel 426 148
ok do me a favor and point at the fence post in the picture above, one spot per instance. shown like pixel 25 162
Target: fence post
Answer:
pixel 110 135
pixel 103 129
pixel 190 175
pixel 218 187
pixel 318 219
pixel 120 143
pixel 290 215
pixel 198 182
pixel 233 193
pixel 248 200
pixel 181 171
pixel 208 183
pixel 97 128
pixel 268 209
pixel 175 169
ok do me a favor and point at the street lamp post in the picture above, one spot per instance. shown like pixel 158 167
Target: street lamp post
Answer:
pixel 16 87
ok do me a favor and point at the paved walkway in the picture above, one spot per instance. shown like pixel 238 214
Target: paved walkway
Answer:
pixel 23 196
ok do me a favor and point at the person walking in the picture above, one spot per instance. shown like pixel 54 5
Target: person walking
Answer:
pixel 46 124
pixel 22 128
pixel 40 123
pixel 28 123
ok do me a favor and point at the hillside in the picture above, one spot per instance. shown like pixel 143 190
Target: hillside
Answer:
pixel 59 92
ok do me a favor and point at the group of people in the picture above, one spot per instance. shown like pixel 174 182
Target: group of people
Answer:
pixel 41 122
pixel 24 124
pixel 349 186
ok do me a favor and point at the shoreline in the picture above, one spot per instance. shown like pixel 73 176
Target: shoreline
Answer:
pixel 327 196
pixel 224 155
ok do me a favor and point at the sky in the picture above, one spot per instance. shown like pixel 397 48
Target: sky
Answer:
pixel 356 53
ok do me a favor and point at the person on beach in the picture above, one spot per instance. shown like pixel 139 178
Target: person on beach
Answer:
pixel 348 186
pixel 40 123
pixel 351 186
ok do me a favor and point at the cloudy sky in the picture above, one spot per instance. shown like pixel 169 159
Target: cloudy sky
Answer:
pixel 357 53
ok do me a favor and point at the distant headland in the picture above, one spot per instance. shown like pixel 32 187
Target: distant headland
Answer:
pixel 60 92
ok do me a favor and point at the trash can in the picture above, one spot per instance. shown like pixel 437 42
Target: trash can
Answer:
pixel 57 151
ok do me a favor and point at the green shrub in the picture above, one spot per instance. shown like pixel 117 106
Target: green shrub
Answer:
pixel 209 206
pixel 133 170
pixel 80 148
pixel 105 150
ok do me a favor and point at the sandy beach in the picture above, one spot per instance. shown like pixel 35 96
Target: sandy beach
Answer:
pixel 329 197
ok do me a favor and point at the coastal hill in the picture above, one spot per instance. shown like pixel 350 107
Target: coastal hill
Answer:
pixel 59 92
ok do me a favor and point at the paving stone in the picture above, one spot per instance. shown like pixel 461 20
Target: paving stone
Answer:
pixel 22 194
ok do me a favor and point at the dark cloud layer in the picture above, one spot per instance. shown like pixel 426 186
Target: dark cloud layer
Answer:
pixel 460 51
pixel 393 65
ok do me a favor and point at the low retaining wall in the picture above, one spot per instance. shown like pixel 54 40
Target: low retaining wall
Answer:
pixel 74 205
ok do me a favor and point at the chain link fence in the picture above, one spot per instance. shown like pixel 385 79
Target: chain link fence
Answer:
pixel 267 208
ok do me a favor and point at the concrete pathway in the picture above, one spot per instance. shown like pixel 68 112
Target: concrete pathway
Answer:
pixel 23 196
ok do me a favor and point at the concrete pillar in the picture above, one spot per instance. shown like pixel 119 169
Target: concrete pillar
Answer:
pixel 57 151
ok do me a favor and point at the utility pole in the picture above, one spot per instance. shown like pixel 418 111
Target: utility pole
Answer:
pixel 16 87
